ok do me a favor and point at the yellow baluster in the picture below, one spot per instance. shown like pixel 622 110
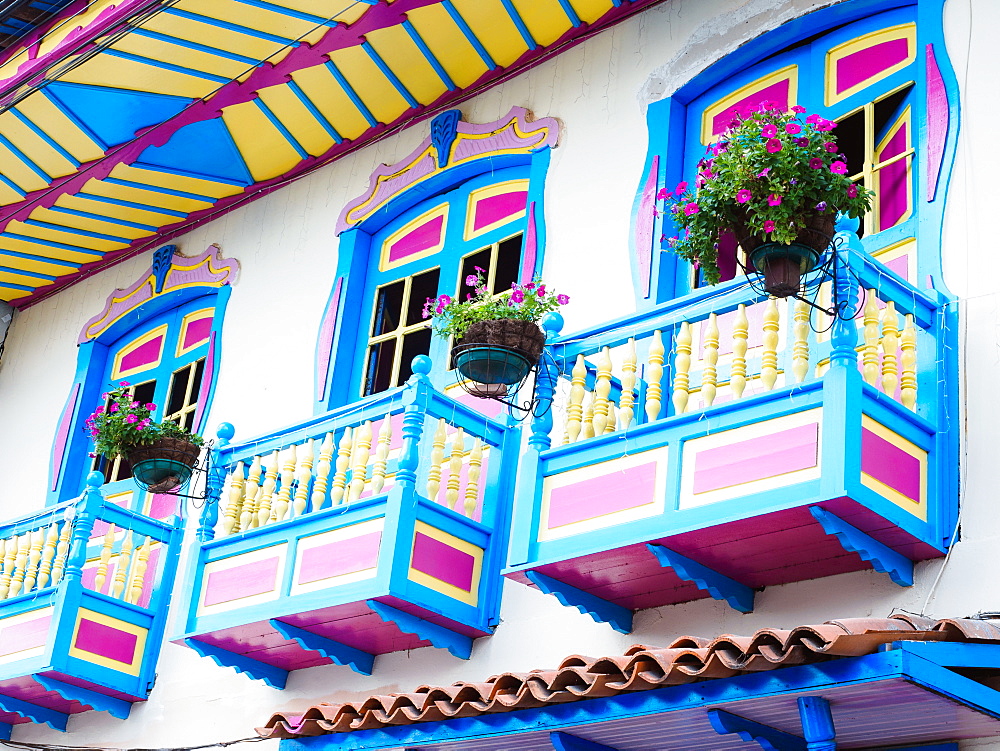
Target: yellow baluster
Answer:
pixel 654 373
pixel 577 391
pixel 710 373
pixel 344 449
pixel 437 459
pixel 612 420
pixel 682 366
pixel 231 516
pixel 303 475
pixel 62 548
pixel 280 508
pixel 381 455
pixel 870 357
pixel 139 571
pixel 472 486
pixel 588 417
pixel 267 490
pixel 455 469
pixel 908 381
pixel 626 404
pixel 602 388
pixel 20 563
pixel 890 349
pixel 800 346
pixel 251 496
pixel 102 567
pixel 122 566
pixel 34 558
pixel 359 460
pixel 322 481
pixel 769 357
pixel 9 549
pixel 738 373
pixel 48 553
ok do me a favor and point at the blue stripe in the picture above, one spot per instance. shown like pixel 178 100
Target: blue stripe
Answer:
pixel 320 118
pixel 246 30
pixel 132 205
pixel 352 94
pixel 76 231
pixel 570 13
pixel 195 175
pixel 158 189
pixel 52 244
pixel 12 285
pixel 24 159
pixel 522 29
pixel 39 259
pixel 32 274
pixel 286 11
pixel 473 39
pixel 387 72
pixel 167 66
pixel 103 218
pixel 45 137
pixel 12 185
pixel 195 46
pixel 55 102
pixel 280 127
pixel 426 51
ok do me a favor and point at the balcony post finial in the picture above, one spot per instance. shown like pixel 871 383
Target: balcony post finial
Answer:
pixel 545 386
pixel 214 482
pixel 83 526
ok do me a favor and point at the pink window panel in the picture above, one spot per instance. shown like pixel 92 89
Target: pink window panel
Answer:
pixel 196 332
pixel 417 240
pixel 497 208
pixel 866 64
pixel 893 188
pixel 776 93
pixel 145 354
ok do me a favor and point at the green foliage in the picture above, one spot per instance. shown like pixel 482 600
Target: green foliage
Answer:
pixel 764 177
pixel 124 424
pixel 524 302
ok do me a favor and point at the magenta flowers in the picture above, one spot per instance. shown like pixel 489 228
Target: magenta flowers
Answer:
pixel 768 225
pixel 773 146
pixel 774 200
pixel 838 168
pixel 743 196
pixel 816 163
pixel 691 208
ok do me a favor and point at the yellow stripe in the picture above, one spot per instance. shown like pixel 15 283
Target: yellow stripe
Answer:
pixel 448 44
pixel 255 18
pixel 299 120
pixel 9 294
pixel 60 128
pixel 494 28
pixel 408 62
pixel 545 19
pixel 41 267
pixel 32 146
pixel 67 237
pixel 89 225
pixel 105 70
pixel 175 182
pixel 331 99
pixel 214 36
pixel 375 90
pixel 179 55
pixel 15 278
pixel 22 246
pixel 342 11
pixel 14 169
pixel 139 195
pixel 8 195
pixel 265 151
pixel 140 216
pixel 590 10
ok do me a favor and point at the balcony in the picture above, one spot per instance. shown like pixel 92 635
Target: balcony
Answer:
pixel 84 588
pixel 378 527
pixel 717 444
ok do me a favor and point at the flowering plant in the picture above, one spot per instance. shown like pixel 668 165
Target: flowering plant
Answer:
pixel 524 302
pixel 125 423
pixel 767 176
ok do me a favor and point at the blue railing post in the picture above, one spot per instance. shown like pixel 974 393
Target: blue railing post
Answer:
pixel 213 483
pixel 413 422
pixel 845 331
pixel 546 376
pixel 83 526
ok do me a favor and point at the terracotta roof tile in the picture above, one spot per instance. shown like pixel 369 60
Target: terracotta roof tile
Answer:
pixel 642 667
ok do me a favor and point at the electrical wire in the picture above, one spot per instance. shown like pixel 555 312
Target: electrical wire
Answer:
pixel 26 746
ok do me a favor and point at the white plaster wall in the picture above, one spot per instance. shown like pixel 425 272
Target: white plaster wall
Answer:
pixel 287 249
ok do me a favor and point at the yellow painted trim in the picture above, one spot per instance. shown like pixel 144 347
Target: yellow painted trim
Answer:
pixel 140 644
pixel 60 128
pixel 835 54
pixel 790 73
pixel 295 116
pixel 905 119
pixel 224 564
pixel 908 248
pixel 491 23
pixel 371 84
pixel 105 226
pixel 331 100
pixel 65 236
pixel 449 590
pixel 384 264
pixel 545 19
pixel 400 53
pixel 481 194
pixel 14 620
pixel 190 318
pixel 324 538
pixel 448 44
pixel 105 70
pixel 918 509
pixel 118 372
pixel 265 151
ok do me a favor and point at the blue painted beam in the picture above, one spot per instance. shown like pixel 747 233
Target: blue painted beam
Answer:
pixel 5 730
pixel 602 611
pixel 952 654
pixel 566 742
pixel 439 636
pixel 239 29
pixel 30 125
pixel 34 712
pixel 314 111
pixel 351 93
pixel 261 671
pixel 131 205
pixel 163 65
pixel 853 540
pixel 522 27
pixel 768 738
pixel 115 707
pixel 466 30
pixel 340 653
pixel 427 53
pixel 279 126
pixel 389 74
pixel 817 723
pixel 721 587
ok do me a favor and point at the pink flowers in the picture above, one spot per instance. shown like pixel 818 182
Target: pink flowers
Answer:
pixel 774 200
pixel 816 163
pixel 681 187
pixel 661 194
pixel 852 191
pixel 793 128
pixel 743 196
pixel 773 146
pixel 768 226
pixel 517 296
pixel 798 110
pixel 563 299
pixel 769 131
pixel 691 208
pixel 831 147
pixel 763 172
pixel 131 418
pixel 541 290
pixel 838 168
pixel 471 280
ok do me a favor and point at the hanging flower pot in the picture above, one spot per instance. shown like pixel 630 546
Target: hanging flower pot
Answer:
pixel 499 351
pixel 163 465
pixel 783 264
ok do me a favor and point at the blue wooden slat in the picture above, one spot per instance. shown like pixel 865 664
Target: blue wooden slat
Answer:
pixel 25 159
pixel 602 611
pixel 467 33
pixel 570 12
pixel 352 94
pixel 388 73
pixel 566 742
pixel 284 10
pixel 76 231
pixel 132 205
pixel 13 186
pixel 52 244
pixel 40 259
pixel 272 676
pixel 115 707
pixel 817 723
pixel 103 218
pixel 22 287
pixel 44 136
pixel 280 127
pixel 721 587
pixel 71 116
pixel 218 23
pixel 158 189
pixel 522 27
pixel 32 274
pixel 431 58
pixel 314 111
pixel 342 654
pixel 187 44
pixel 882 557
pixel 769 739
pixel 5 730
pixel 163 65
pixel 441 637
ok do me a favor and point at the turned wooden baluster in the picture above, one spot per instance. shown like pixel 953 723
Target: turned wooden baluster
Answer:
pixel 303 474
pixel 102 567
pixel 9 549
pixel 602 389
pixel 908 380
pixel 738 372
pixel 267 490
pixel 323 465
pixel 280 508
pixel 472 486
pixel 381 455
pixel 577 391
pixel 588 417
pixel 682 366
pixel 437 459
pixel 34 558
pixel 344 449
pixel 139 571
pixel 251 496
pixel 869 360
pixel 800 344
pixel 62 548
pixel 359 460
pixel 455 470
pixel 20 563
pixel 890 349
pixel 48 553
pixel 231 516
pixel 626 404
pixel 769 356
pixel 710 373
pixel 612 418
pixel 654 374
pixel 122 566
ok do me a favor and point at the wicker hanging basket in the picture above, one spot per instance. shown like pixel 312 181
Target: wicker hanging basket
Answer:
pixel 499 352
pixel 164 465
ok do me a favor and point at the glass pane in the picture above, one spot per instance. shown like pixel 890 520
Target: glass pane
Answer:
pixel 415 343
pixel 421 287
pixel 508 264
pixel 388 307
pixel 886 111
pixel 850 134
pixel 480 258
pixel 178 389
pixel 145 392
pixel 378 376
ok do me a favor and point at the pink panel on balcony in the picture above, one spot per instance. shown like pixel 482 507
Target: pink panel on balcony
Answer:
pixel 163 505
pixel 892 182
pixel 106 641
pixel 241 581
pixel 338 558
pixel 901 266
pixel 618 490
pixel 776 93
pixel 443 562
pixel 419 239
pixel 889 464
pixel 197 332
pixel 25 635
pixel 495 208
pixel 756 459
pixel 145 354
pixel 859 66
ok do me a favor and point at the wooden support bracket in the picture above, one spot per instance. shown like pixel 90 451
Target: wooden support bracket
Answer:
pixel 115 707
pixel 882 557
pixel 602 611
pixel 340 653
pixel 261 671
pixel 566 742
pixel 458 644
pixel 721 587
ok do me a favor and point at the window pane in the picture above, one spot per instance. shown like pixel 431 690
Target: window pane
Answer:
pixel 178 389
pixel 508 264
pixel 144 393
pixel 422 286
pixel 850 134
pixel 378 376
pixel 415 343
pixel 481 259
pixel 388 307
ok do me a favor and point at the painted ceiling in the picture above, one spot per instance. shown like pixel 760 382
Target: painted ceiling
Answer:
pixel 126 122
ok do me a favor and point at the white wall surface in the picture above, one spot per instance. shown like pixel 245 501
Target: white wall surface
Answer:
pixel 287 249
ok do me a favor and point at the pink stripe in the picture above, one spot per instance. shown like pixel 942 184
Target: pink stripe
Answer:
pixel 106 641
pixel 938 118
pixel 756 459
pixel 145 354
pixel 241 581
pixel 901 265
pixel 325 348
pixel 163 505
pixel 443 562
pixel 889 464
pixel 644 227
pixel 530 248
pixel 776 93
pixel 197 332
pixel 493 209
pixel 341 557
pixel 62 435
pixel 421 238
pixel 25 635
pixel 617 491
pixel 859 66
